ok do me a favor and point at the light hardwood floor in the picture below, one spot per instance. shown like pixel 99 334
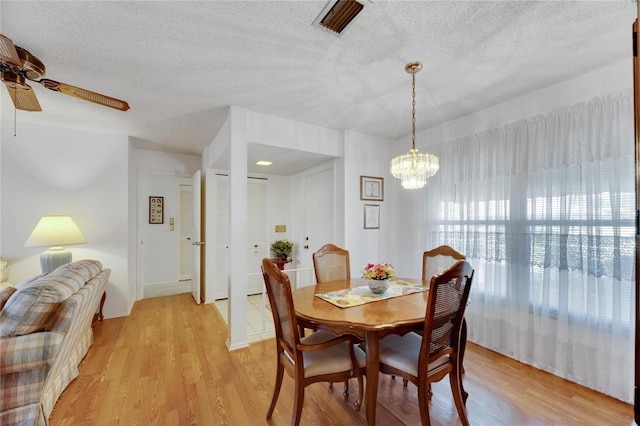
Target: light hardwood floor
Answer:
pixel 167 364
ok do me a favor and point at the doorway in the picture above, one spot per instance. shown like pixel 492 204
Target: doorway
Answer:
pixel 161 255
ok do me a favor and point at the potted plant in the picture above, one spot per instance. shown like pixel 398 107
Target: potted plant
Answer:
pixel 281 249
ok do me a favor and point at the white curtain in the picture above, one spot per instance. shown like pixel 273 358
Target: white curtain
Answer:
pixel 544 210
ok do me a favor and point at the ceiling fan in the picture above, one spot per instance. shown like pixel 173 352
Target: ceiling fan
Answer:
pixel 18 65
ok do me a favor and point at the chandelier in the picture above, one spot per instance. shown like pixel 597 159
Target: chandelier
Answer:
pixel 415 167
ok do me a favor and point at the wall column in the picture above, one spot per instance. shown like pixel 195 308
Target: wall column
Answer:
pixel 237 230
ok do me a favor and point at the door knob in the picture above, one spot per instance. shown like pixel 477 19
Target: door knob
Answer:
pixel 306 247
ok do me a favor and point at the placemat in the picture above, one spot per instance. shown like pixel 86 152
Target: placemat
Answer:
pixel 357 296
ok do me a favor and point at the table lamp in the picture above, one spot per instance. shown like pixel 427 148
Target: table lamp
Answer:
pixel 55 231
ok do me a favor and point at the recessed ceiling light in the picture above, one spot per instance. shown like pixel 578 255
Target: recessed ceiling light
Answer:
pixel 263 163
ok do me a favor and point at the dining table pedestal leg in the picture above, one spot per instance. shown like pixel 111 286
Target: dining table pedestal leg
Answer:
pixel 373 368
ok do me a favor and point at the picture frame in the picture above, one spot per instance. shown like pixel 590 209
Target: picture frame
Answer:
pixel 371 188
pixel 156 210
pixel 372 216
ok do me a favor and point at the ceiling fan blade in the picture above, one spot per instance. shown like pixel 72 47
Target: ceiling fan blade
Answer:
pixel 84 94
pixel 8 52
pixel 22 95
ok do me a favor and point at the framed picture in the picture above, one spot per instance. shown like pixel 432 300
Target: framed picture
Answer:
pixel 371 216
pixel 371 188
pixel 156 209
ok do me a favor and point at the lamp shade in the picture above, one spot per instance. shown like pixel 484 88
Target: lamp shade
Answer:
pixel 55 231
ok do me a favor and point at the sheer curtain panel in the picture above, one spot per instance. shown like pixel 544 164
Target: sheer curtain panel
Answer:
pixel 544 210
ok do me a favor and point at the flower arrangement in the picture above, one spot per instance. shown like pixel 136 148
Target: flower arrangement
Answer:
pixel 379 271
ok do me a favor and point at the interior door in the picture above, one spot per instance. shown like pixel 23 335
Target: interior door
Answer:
pixel 256 234
pixel 185 228
pixel 196 244
pixel 219 215
pixel 319 220
pixel 257 240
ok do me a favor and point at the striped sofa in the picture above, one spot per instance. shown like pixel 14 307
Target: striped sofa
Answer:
pixel 45 331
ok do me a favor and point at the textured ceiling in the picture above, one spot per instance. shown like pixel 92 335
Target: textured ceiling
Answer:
pixel 181 64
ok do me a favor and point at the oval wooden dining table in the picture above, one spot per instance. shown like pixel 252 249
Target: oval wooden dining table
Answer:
pixel 370 322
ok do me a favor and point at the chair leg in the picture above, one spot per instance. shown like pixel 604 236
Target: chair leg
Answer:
pixel 346 389
pixel 298 401
pixel 456 389
pixel 463 347
pixel 276 389
pixel 358 402
pixel 423 403
pixel 405 382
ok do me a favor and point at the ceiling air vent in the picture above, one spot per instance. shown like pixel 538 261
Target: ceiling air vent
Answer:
pixel 337 15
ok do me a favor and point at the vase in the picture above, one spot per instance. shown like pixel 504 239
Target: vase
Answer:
pixel 378 286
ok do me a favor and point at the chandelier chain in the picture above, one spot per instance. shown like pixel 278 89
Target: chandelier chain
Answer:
pixel 413 112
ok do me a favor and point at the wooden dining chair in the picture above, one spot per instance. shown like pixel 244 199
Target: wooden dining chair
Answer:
pixel 320 357
pixel 427 358
pixel 438 260
pixel 434 262
pixel 331 263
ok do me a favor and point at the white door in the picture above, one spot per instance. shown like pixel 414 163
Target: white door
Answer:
pixel 256 234
pixel 196 244
pixel 218 214
pixel 257 240
pixel 185 228
pixel 319 220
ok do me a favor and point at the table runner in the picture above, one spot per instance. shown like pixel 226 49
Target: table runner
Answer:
pixel 356 296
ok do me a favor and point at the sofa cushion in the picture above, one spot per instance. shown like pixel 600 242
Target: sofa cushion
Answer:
pixel 23 353
pixel 35 302
pixel 5 293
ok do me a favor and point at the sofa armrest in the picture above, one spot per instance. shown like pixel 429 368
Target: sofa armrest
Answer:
pixel 22 353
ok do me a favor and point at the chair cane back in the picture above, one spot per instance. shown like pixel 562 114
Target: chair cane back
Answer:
pixel 331 263
pixel 438 260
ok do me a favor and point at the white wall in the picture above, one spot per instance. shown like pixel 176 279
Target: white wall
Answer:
pixel 279 208
pixel 610 79
pixel 49 170
pixel 275 131
pixel 165 162
pixel 366 155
